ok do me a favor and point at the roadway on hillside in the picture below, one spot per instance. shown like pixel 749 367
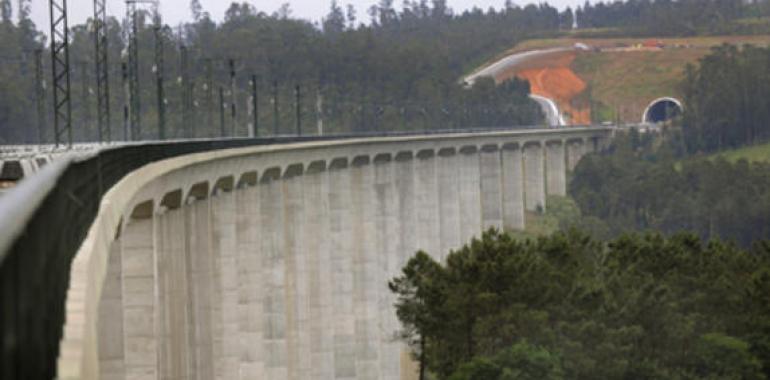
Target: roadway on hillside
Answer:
pixel 530 62
pixel 511 62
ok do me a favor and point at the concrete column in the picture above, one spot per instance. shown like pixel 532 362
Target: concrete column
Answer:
pixel 513 188
pixel 110 322
pixel 223 246
pixel 405 188
pixel 426 197
pixel 386 233
pixel 556 172
pixel 449 200
pixel 250 282
pixel 534 185
pixel 491 188
pixel 364 269
pixel 272 251
pixel 319 268
pixel 574 153
pixel 470 195
pixel 404 168
pixel 341 252
pixel 138 280
pixel 201 284
pixel 171 269
pixel 297 307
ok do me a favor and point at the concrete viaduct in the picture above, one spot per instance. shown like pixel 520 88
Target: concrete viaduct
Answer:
pixel 272 261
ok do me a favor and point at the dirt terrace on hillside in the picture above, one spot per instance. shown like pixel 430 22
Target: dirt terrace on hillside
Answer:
pixel 551 76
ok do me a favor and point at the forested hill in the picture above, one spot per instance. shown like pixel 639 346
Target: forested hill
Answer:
pixel 395 67
pixel 675 17
pixel 399 70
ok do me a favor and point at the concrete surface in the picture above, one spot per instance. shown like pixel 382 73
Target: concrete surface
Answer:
pixel 273 262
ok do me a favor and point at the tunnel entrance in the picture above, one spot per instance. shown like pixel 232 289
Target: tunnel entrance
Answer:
pixel 661 110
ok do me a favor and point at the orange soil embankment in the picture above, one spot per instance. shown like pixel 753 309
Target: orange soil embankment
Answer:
pixel 552 77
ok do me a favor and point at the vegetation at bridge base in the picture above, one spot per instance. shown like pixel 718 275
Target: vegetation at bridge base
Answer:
pixel 636 186
pixel 751 153
pixel 567 306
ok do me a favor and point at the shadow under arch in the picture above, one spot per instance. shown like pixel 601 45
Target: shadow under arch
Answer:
pixel 661 110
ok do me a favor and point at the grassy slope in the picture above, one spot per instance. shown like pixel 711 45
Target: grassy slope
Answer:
pixel 625 83
pixel 756 153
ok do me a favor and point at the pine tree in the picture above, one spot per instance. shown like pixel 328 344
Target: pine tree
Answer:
pixel 334 22
pixel 6 12
pixel 24 10
pixel 196 9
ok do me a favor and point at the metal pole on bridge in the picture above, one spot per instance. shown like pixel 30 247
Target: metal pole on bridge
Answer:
pixel 40 96
pixel 135 114
pixel 254 107
pixel 298 109
pixel 60 67
pixel 233 97
pixel 102 71
pixel 186 93
pixel 222 111
pixel 85 100
pixel 209 87
pixel 275 107
pixel 126 101
pixel 160 92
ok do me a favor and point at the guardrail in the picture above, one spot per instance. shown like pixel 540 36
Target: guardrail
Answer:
pixel 45 220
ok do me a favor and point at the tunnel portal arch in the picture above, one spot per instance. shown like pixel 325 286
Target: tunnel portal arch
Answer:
pixel 662 109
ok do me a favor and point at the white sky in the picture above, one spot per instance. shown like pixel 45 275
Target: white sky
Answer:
pixel 176 11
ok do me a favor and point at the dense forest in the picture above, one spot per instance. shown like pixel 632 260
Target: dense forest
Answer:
pixel 727 99
pixel 399 70
pixel 676 17
pixel 569 307
pixel 636 187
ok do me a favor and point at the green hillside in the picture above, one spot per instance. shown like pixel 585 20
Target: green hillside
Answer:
pixel 756 153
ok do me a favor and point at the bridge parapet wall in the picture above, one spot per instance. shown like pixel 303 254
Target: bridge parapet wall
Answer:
pixel 273 261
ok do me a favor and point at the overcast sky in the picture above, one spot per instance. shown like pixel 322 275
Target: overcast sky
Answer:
pixel 176 11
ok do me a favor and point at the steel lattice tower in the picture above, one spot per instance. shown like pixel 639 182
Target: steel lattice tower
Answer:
pixel 134 103
pixel 102 71
pixel 60 59
pixel 161 94
pixel 187 129
pixel 209 87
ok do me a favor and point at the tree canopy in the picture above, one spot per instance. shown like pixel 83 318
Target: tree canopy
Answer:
pixel 727 99
pixel 400 71
pixel 567 306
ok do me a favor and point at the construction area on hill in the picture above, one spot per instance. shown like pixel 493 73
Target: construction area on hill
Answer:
pixel 610 80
